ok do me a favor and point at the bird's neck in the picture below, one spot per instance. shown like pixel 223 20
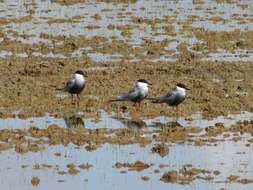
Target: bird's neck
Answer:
pixel 142 85
pixel 79 77
pixel 181 90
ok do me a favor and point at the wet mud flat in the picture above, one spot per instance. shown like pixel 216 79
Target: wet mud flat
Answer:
pixel 217 88
pixel 47 142
pixel 205 46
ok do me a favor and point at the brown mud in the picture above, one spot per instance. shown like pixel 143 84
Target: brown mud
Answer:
pixel 217 88
pixel 35 181
pixel 188 174
pixel 137 166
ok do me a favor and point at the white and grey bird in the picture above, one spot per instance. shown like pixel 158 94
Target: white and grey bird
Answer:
pixel 138 93
pixel 76 84
pixel 173 97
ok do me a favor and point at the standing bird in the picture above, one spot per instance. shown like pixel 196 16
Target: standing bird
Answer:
pixel 174 97
pixel 76 84
pixel 138 93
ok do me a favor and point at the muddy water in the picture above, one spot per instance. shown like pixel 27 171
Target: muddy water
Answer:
pixel 223 157
pixel 114 121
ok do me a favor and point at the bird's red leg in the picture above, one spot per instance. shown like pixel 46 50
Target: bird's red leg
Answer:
pixel 72 98
pixel 78 99
pixel 135 106
pixel 177 113
pixel 139 103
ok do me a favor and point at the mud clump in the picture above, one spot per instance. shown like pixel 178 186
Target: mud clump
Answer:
pixel 235 178
pixel 243 127
pixel 216 130
pixel 91 147
pixel 161 149
pixel 137 166
pixel 85 166
pixel 4 146
pixel 170 177
pixel 145 178
pixel 69 2
pixel 21 149
pixel 245 181
pixel 129 136
pixel 176 134
pixel 186 175
pixel 72 169
pixel 35 181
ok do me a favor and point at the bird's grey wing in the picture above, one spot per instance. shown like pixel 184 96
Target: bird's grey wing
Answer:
pixel 134 94
pixel 131 95
pixel 69 85
pixel 164 99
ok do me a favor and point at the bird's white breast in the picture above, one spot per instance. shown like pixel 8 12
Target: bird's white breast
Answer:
pixel 143 87
pixel 181 91
pixel 80 80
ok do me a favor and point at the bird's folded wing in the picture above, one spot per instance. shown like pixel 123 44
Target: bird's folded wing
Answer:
pixel 164 99
pixel 170 96
pixel 131 95
pixel 69 85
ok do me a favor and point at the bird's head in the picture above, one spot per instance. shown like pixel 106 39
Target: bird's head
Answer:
pixel 143 81
pixel 181 85
pixel 83 73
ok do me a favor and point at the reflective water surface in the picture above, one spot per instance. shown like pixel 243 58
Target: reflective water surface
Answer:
pixel 228 157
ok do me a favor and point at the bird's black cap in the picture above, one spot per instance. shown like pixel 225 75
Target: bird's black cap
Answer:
pixel 182 86
pixel 144 81
pixel 80 72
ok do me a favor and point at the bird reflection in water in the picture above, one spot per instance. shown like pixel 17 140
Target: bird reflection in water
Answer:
pixel 132 123
pixel 74 121
pixel 171 124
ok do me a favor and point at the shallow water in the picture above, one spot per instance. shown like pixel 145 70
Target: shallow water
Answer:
pixel 102 175
pixel 76 19
pixel 113 121
pixel 228 157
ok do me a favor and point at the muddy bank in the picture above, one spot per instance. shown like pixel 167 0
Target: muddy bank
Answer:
pixel 217 88
pixel 116 50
